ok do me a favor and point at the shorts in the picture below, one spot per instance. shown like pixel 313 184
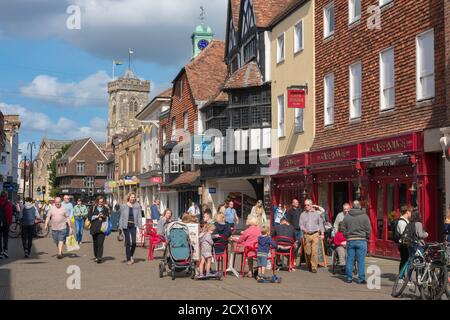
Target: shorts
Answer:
pixel 261 261
pixel 59 235
pixel 206 255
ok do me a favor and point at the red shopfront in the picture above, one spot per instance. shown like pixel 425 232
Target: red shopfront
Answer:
pixel 384 174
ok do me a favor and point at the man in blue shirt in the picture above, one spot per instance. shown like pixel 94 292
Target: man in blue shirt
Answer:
pixel 231 217
pixel 155 213
pixel 68 206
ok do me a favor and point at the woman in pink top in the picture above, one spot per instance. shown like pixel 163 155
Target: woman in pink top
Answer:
pixel 249 238
pixel 60 222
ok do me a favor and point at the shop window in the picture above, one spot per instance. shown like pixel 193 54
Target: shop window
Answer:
pixel 391 209
pixel 380 212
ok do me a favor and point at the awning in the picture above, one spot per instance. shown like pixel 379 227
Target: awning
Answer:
pixel 187 178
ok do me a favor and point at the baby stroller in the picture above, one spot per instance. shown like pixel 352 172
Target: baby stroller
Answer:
pixel 178 252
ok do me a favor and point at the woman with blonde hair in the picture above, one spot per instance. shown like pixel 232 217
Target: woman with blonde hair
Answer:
pixel 130 221
pixel 249 238
pixel 259 213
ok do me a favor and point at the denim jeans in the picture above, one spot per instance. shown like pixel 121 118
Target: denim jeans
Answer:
pixel 130 241
pixel 79 224
pixel 298 236
pixel 356 249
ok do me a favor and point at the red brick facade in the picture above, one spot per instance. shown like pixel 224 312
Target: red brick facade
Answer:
pixel 401 22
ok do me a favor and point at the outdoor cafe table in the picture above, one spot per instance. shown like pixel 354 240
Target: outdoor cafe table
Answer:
pixel 235 249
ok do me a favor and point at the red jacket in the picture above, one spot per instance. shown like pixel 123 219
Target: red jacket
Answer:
pixel 4 202
pixel 339 238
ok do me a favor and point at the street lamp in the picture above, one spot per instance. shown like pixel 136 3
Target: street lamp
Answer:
pixel 32 170
pixel 30 147
pixel 23 163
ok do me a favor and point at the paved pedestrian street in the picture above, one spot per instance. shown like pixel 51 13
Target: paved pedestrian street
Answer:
pixel 44 277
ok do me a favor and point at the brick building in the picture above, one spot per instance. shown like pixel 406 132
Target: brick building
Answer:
pixel 81 172
pixel 380 101
pixel 195 84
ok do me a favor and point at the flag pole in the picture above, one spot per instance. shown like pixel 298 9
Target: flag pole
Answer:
pixel 129 59
pixel 113 69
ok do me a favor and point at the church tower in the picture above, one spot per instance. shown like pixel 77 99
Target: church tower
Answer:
pixel 128 95
pixel 202 36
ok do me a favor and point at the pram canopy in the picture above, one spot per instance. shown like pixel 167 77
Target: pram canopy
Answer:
pixel 179 243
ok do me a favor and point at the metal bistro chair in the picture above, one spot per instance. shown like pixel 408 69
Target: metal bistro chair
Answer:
pixel 285 249
pixel 247 251
pixel 146 232
pixel 221 245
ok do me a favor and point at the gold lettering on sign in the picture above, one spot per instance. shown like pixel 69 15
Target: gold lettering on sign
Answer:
pixel 389 146
pixel 333 155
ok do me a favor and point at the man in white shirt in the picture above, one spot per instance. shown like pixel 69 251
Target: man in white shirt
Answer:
pixel 194 210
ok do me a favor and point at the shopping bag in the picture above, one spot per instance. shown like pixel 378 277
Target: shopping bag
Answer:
pixel 109 227
pixel 104 227
pixel 71 244
pixel 87 224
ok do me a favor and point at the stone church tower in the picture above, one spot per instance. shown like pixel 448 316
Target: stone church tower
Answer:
pixel 128 95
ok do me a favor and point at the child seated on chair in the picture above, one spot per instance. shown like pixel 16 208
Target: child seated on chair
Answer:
pixel 206 248
pixel 341 243
pixel 265 242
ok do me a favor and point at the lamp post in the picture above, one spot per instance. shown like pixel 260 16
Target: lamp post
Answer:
pixel 32 171
pixel 23 163
pixel 30 146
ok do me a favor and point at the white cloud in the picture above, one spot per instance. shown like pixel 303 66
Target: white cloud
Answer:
pixel 158 30
pixel 89 91
pixel 63 128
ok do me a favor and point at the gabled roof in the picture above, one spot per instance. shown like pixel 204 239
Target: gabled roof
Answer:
pixel 186 178
pixel 165 94
pixel 220 97
pixel 247 76
pixel 77 146
pixel 207 71
pixel 288 10
pixel 266 10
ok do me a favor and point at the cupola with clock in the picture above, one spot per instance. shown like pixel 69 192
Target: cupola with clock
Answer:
pixel 202 36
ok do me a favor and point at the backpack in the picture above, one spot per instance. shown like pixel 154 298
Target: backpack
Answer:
pixel 409 235
pixel 397 236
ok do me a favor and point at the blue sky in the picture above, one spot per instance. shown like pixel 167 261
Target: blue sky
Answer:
pixel 55 78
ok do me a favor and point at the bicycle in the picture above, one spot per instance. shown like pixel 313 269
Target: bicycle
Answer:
pixel 15 229
pixel 431 274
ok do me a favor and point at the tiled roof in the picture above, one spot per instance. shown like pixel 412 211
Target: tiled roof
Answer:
pixel 207 72
pixel 266 10
pixel 219 97
pixel 247 76
pixel 285 12
pixel 186 178
pixel 235 8
pixel 165 94
pixel 74 148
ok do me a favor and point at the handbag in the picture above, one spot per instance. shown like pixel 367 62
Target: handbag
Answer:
pixel 104 227
pixel 87 224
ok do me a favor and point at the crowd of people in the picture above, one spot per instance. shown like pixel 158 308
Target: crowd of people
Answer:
pixel 306 227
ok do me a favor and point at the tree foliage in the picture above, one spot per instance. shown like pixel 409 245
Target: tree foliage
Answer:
pixel 52 169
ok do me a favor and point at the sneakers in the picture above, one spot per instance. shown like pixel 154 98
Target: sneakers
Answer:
pixel 4 255
pixel 361 281
pixel 132 260
pixel 348 280
pixel 129 263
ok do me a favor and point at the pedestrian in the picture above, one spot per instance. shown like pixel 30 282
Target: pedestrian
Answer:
pixel 414 233
pixel 98 217
pixel 130 221
pixel 6 214
pixel 340 217
pixel 265 242
pixel 206 249
pixel 222 228
pixel 259 213
pixel 230 215
pixel 293 217
pixel 311 224
pixel 207 216
pixel 280 212
pixel 28 217
pixel 340 242
pixel 447 225
pixel 284 229
pixel 248 238
pixel 223 207
pixel 356 227
pixel 69 208
pixel 80 213
pixel 163 222
pixel 402 223
pixel 155 211
pixel 193 210
pixel 60 225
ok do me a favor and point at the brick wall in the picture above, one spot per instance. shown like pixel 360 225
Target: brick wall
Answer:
pixel 401 22
pixel 179 106
pixel 447 57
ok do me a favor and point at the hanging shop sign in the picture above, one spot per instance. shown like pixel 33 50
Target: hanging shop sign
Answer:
pixel 296 98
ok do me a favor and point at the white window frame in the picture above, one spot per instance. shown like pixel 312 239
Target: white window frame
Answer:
pixel 185 121
pixel 352 9
pixel 384 84
pixel 298 48
pixel 326 20
pixel 420 73
pixel 328 100
pixel 299 127
pixel 101 166
pixel 354 95
pixel 174 163
pixel 281 52
pixel 384 2
pixel 281 115
pixel 77 167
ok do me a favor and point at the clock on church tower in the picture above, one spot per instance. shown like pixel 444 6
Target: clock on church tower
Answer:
pixel 201 37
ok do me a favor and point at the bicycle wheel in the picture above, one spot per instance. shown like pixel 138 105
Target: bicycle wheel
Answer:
pixel 402 280
pixel 40 230
pixel 14 230
pixel 434 282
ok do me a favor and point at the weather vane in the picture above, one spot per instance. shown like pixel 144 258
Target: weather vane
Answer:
pixel 202 14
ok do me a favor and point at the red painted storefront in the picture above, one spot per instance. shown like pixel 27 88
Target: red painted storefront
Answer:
pixel 384 174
